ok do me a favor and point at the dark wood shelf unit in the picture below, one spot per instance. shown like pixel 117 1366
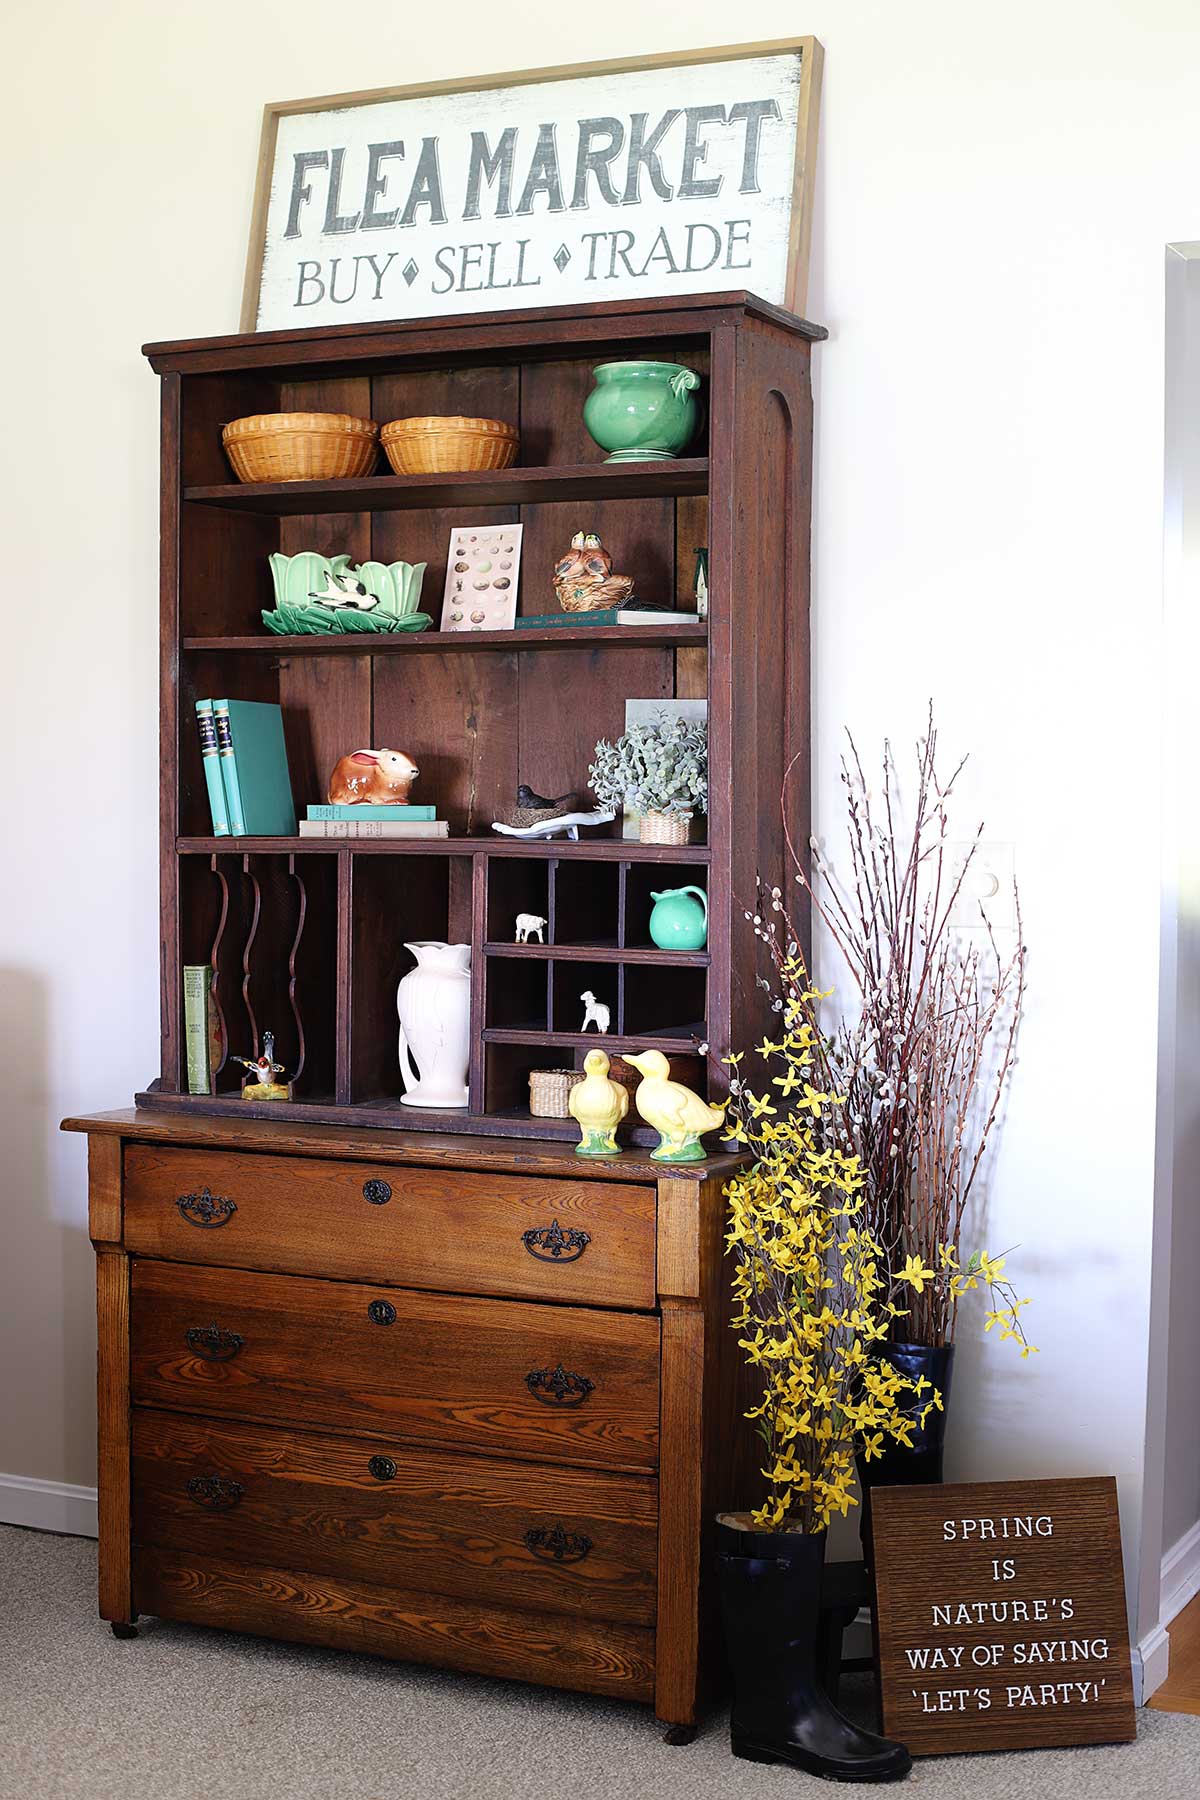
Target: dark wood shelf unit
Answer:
pixel 477 487
pixel 462 643
pixel 307 934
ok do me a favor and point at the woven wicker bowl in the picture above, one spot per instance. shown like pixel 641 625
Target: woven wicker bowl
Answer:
pixel 437 446
pixel 548 1090
pixel 301 446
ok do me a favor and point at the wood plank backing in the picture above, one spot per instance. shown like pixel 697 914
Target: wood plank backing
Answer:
pixel 444 1524
pixel 550 1648
pixel 426 1228
pixel 439 1369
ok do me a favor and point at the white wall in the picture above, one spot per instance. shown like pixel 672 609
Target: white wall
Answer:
pixel 995 188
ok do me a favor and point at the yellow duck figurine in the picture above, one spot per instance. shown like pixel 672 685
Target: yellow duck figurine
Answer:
pixel 597 1104
pixel 679 1116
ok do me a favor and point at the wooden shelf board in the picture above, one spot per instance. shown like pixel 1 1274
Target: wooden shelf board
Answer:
pixel 592 849
pixel 476 487
pixel 603 953
pixel 404 643
pixel 677 1039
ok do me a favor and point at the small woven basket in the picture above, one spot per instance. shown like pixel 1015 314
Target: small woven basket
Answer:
pixel 664 827
pixel 301 446
pixel 548 1090
pixel 443 446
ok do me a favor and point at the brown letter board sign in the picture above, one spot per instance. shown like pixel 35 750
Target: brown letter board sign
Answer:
pixel 1000 1615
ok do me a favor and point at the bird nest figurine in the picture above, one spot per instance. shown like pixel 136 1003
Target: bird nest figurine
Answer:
pixel 583 579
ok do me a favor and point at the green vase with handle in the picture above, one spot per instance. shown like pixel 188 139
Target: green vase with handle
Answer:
pixel 679 919
pixel 642 411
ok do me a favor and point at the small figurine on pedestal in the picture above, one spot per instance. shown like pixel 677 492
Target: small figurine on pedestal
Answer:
pixel 679 1116
pixel 597 1105
pixel 583 579
pixel 260 1082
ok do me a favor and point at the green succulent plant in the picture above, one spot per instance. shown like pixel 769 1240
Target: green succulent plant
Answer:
pixel 657 767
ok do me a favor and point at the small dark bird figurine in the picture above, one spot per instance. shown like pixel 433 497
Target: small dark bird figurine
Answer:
pixel 583 579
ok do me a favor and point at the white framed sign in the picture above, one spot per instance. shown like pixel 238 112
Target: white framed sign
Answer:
pixel 677 174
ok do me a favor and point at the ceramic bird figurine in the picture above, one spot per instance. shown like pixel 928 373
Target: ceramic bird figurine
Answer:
pixel 260 1082
pixel 583 578
pixel 680 1117
pixel 373 778
pixel 597 1104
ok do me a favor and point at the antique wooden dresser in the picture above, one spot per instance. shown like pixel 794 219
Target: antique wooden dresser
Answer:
pixel 450 1400
pixel 418 1382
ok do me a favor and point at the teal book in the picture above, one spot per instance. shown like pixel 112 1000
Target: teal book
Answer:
pixel 212 768
pixel 603 615
pixel 258 787
pixel 403 815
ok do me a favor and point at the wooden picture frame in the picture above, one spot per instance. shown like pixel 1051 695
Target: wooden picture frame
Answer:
pixel 791 290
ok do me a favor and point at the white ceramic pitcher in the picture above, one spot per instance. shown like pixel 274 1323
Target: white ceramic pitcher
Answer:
pixel 433 1003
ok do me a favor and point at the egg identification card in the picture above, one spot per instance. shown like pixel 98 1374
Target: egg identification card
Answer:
pixel 481 578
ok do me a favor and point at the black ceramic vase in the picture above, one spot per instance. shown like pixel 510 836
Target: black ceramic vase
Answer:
pixel 921 1463
pixel 770 1605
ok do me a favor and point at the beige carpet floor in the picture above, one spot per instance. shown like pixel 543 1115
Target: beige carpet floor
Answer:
pixel 186 1714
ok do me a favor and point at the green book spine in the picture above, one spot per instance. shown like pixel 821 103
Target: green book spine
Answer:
pixel 603 615
pixel 233 793
pixel 197 981
pixel 403 815
pixel 260 795
pixel 212 768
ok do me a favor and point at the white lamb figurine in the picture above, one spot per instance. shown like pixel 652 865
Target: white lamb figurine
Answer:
pixel 595 1013
pixel 530 925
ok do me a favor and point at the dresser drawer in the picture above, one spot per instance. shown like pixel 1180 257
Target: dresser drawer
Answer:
pixel 518 1534
pixel 590 1242
pixel 559 1383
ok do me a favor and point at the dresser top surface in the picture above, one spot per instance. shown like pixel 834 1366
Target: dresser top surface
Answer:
pixel 421 1149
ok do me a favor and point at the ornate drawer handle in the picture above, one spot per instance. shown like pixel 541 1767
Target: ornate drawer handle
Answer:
pixel 558 1387
pixel 550 1243
pixel 557 1545
pixel 212 1343
pixel 206 1209
pixel 217 1492
pixel 381 1312
pixel 377 1193
pixel 382 1468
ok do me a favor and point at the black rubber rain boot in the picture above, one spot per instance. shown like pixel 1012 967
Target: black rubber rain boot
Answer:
pixel 770 1604
pixel 922 1463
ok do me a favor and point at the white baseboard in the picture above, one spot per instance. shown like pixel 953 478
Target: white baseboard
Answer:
pixel 1180 1582
pixel 47 1505
pixel 1151 1660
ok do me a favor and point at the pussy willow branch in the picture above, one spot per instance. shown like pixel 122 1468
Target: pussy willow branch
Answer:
pixel 933 1040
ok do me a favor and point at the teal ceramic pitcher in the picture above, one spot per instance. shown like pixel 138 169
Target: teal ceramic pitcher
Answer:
pixel 642 411
pixel 679 920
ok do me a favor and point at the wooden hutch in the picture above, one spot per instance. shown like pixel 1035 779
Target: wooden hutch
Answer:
pixel 427 1384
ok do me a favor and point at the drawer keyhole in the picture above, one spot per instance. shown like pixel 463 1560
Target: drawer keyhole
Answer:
pixel 381 1312
pixel 377 1193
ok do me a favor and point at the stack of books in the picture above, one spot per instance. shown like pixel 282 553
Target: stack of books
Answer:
pixel 373 822
pixel 246 769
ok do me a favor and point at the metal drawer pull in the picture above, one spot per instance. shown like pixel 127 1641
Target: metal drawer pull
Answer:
pixel 212 1343
pixel 558 1387
pixel 550 1243
pixel 381 1312
pixel 557 1545
pixel 377 1193
pixel 217 1492
pixel 382 1468
pixel 206 1209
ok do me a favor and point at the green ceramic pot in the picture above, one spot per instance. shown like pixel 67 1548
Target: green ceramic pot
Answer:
pixel 679 920
pixel 642 411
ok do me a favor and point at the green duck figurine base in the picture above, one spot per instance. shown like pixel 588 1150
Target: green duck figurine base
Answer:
pixel 680 1117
